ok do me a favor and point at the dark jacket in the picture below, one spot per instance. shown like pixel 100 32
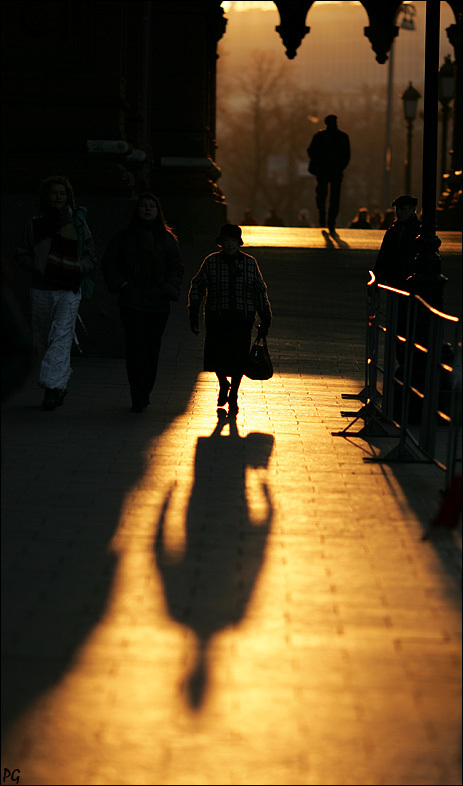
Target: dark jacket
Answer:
pixel 144 292
pixel 395 261
pixel 329 152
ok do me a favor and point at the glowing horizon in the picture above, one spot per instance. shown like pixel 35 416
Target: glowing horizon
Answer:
pixel 269 5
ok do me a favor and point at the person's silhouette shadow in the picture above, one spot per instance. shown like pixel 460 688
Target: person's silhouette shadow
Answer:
pixel 209 588
pixel 332 238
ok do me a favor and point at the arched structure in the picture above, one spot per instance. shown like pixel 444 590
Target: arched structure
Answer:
pixel 381 32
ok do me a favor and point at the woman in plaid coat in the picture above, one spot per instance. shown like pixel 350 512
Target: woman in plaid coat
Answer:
pixel 235 291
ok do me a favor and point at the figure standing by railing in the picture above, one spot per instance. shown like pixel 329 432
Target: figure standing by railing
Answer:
pixel 395 261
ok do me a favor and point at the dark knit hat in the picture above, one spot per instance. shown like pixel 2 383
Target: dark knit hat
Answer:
pixel 229 230
pixel 405 199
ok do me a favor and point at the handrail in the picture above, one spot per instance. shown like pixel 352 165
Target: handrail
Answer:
pixel 410 333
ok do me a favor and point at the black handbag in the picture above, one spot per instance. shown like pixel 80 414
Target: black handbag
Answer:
pixel 259 364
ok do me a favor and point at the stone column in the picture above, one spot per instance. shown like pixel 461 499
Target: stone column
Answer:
pixel 64 84
pixel 183 56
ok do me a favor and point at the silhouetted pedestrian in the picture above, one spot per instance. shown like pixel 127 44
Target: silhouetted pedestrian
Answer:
pixel 273 219
pixel 249 218
pixel 143 264
pixel 329 153
pixel 375 220
pixel 362 220
pixel 303 219
pixel 394 263
pixel 388 218
pixel 235 290
pixel 57 252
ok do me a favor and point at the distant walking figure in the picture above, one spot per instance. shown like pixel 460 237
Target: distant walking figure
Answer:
pixel 144 265
pixel 329 153
pixel 388 218
pixel 274 219
pixel 249 218
pixel 57 253
pixel 303 219
pixel 361 220
pixel 375 220
pixel 235 290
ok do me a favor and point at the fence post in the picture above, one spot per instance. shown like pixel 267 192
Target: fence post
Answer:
pixel 365 394
pixel 369 412
pixel 410 330
pixel 423 324
pixel 431 385
pixel 455 411
pixel 389 353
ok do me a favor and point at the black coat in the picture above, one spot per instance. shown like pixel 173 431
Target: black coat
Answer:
pixel 395 261
pixel 151 292
pixel 329 152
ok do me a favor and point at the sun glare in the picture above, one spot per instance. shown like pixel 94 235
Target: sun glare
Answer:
pixel 263 5
pixel 248 5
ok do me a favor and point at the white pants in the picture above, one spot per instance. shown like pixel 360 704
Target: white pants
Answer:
pixel 54 314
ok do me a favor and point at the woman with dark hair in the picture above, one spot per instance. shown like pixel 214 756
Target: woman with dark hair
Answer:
pixel 44 192
pixel 235 290
pixel 144 265
pixel 57 253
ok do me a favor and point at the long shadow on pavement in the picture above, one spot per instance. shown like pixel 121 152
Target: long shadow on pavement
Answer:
pixel 333 240
pixel 210 587
pixel 65 475
pixel 421 485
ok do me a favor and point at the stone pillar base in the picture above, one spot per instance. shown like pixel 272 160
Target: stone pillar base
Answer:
pixel 192 202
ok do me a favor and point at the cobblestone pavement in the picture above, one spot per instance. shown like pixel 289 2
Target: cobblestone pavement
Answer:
pixel 189 599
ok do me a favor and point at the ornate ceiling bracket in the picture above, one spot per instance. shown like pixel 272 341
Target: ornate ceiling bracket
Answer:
pixel 292 27
pixel 382 30
pixel 220 22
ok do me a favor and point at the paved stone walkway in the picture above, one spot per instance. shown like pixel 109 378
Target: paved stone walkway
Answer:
pixel 193 600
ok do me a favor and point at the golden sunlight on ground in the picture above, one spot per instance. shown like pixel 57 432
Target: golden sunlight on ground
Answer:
pixel 311 238
pixel 303 237
pixel 190 676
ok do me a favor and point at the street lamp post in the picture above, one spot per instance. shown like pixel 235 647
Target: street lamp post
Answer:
pixel 428 281
pixel 410 100
pixel 446 88
pixel 408 11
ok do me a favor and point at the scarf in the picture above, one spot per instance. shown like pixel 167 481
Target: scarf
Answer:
pixel 62 270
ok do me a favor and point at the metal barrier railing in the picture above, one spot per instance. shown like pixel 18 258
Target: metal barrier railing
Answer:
pixel 404 345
